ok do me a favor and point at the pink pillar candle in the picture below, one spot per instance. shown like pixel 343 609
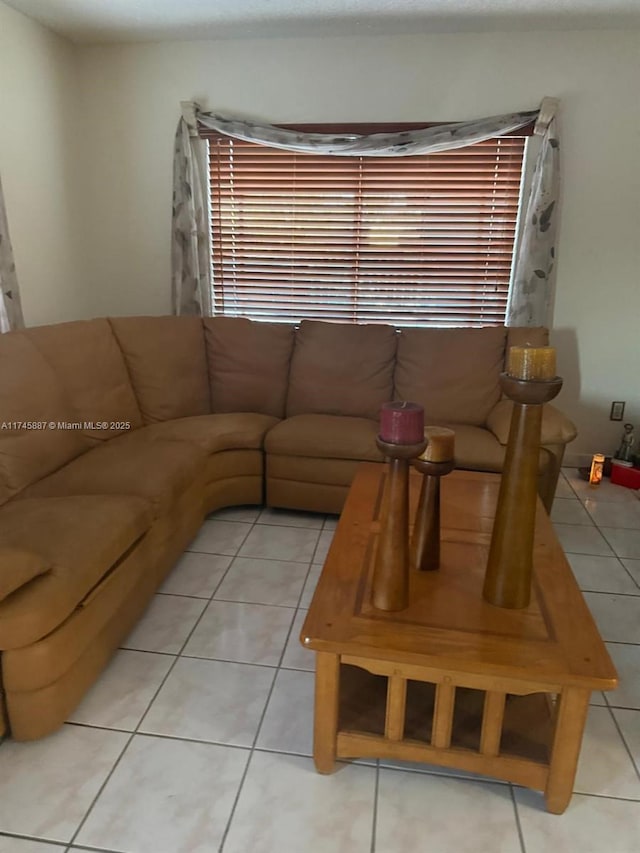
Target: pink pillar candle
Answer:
pixel 402 423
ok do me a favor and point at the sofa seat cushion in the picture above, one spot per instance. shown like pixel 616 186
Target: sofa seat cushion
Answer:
pixel 214 433
pixel 157 470
pixel 78 539
pixel 477 449
pixel 341 369
pixel 325 437
pixel 17 568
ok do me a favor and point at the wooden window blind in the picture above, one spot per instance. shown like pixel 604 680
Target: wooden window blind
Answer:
pixel 423 240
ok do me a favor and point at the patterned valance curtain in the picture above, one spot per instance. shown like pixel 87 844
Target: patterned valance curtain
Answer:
pixel 191 268
pixel 10 307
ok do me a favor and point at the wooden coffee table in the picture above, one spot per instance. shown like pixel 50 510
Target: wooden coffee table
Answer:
pixel 453 680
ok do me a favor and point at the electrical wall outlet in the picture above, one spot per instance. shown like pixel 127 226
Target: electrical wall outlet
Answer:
pixel 617 411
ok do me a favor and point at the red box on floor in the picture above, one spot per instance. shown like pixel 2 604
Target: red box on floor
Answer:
pixel 623 476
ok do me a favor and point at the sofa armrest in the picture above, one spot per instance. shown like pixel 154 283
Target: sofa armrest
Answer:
pixel 17 568
pixel 556 427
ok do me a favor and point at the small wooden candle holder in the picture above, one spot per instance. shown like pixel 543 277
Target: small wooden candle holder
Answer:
pixel 509 567
pixel 391 569
pixel 425 543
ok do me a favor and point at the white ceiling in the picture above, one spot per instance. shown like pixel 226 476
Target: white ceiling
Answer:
pixel 92 21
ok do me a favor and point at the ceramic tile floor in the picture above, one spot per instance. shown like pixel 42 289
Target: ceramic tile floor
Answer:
pixel 197 738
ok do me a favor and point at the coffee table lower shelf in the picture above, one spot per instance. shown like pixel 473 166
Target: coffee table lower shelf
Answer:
pixel 511 729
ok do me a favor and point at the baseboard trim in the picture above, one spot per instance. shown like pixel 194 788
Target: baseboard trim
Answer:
pixel 576 460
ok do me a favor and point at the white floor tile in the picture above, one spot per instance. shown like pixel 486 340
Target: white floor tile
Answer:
pixel 196 574
pixel 569 511
pixel 237 513
pixel 211 700
pixel 121 696
pixel 606 492
pixel 606 514
pixel 626 660
pixel 288 722
pixel 280 543
pixel 629 722
pixel 166 796
pixel 602 574
pixel 220 537
pixel 436 770
pixel 563 489
pixel 605 767
pixel 246 633
pixel 625 543
pixel 617 616
pixel 286 807
pixel 46 786
pixel 161 794
pixel 579 539
pixel 265 582
pixel 418 812
pixel 9 844
pixel 633 566
pixel 166 624
pixel 324 543
pixel 590 825
pixel 310 584
pixel 295 655
pixel 291 518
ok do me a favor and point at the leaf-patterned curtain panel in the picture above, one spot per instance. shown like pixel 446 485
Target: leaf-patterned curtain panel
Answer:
pixel 191 284
pixel 10 307
pixel 533 280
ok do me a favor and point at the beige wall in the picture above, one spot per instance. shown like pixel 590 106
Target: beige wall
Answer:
pixel 38 104
pixel 130 104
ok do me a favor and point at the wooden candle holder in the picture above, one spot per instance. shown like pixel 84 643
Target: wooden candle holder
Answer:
pixel 508 577
pixel 391 568
pixel 425 543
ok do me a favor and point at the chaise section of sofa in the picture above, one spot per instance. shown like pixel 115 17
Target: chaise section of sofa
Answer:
pixel 81 544
pixel 119 436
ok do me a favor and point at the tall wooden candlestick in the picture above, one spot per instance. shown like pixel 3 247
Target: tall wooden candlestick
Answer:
pixel 435 462
pixel 391 568
pixel 509 567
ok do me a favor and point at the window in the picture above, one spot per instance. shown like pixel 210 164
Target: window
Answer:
pixel 423 240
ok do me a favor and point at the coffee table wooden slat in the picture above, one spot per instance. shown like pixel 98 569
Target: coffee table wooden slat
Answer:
pixel 453 680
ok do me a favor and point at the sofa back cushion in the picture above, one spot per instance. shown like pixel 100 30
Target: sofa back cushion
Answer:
pixel 453 373
pixel 341 369
pixel 167 364
pixel 89 364
pixel 248 364
pixel 32 402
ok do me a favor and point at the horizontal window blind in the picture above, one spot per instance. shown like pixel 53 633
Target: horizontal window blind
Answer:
pixel 422 240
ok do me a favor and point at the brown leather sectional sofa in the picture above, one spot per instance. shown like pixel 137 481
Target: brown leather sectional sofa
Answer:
pixel 118 436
